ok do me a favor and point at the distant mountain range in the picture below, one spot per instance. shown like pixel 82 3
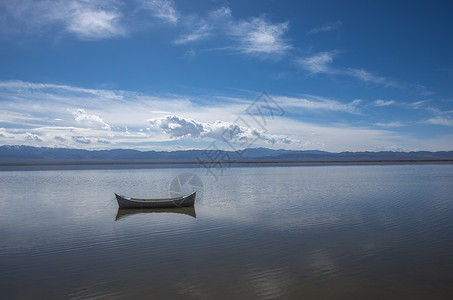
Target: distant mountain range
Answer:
pixel 18 155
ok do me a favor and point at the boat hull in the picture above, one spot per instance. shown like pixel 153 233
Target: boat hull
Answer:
pixel 185 201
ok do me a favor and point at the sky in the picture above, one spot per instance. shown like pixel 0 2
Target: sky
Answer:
pixel 174 75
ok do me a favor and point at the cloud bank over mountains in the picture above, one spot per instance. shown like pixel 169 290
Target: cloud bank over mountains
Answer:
pixel 67 116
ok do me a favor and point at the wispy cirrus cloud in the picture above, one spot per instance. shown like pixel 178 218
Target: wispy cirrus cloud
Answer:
pixel 390 124
pixel 418 104
pixel 254 36
pixel 94 23
pixel 439 117
pixel 368 77
pixel 258 36
pixel 85 19
pixel 320 104
pixel 326 27
pixel 95 20
pixel 162 9
pixel 321 63
pixel 199 30
pixel 440 120
pixel 318 63
pixel 381 102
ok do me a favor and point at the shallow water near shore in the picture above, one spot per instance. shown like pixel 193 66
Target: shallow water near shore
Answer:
pixel 312 232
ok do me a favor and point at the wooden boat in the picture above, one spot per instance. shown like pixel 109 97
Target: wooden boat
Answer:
pixel 126 212
pixel 184 201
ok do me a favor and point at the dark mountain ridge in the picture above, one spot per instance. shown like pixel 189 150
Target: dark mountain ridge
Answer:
pixel 11 155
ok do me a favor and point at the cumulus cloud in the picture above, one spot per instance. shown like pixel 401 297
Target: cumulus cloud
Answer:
pixel 32 137
pixel 179 127
pixel 82 117
pixel 227 131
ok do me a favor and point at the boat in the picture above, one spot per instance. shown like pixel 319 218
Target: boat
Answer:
pixel 123 213
pixel 183 201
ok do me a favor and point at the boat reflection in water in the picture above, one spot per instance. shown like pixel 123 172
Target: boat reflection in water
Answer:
pixel 123 213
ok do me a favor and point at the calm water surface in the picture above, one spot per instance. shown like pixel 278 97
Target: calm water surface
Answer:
pixel 338 232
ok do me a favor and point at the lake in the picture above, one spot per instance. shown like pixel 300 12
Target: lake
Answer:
pixel 265 232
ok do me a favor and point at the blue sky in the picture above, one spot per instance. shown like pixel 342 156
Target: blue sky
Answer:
pixel 167 75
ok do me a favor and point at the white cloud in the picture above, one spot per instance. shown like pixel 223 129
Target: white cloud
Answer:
pixel 221 13
pixel 326 27
pixel 439 120
pixel 178 127
pixel 233 132
pixel 255 36
pixel 417 104
pixel 318 63
pixel 94 20
pixel 439 117
pixel 162 9
pixel 56 90
pixel 198 31
pixel 369 77
pixel 258 36
pixel 32 137
pixel 390 124
pixel 5 134
pixel 88 20
pixel 315 103
pixel 384 102
pixel 82 117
